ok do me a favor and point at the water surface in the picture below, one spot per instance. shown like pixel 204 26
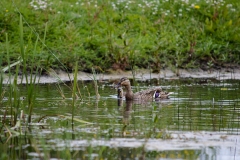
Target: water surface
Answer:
pixel 200 121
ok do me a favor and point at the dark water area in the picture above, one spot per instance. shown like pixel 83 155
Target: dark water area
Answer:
pixel 201 120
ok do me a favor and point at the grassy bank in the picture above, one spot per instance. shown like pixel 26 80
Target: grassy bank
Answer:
pixel 122 34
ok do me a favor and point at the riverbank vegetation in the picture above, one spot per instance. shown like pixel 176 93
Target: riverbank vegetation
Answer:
pixel 120 34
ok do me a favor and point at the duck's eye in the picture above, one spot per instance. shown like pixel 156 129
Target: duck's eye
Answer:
pixel 123 79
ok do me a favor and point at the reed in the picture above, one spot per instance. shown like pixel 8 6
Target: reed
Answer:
pixel 28 61
pixel 74 95
pixel 2 90
pixel 95 83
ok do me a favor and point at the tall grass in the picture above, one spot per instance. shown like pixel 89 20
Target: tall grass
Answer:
pixel 95 83
pixel 11 91
pixel 30 70
pixel 2 91
pixel 122 34
pixel 74 96
pixel 29 61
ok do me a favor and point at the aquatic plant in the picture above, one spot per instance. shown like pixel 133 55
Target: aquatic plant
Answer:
pixel 94 78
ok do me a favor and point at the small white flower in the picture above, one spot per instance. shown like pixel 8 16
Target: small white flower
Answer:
pixel 35 7
pixel 43 7
pixel 180 10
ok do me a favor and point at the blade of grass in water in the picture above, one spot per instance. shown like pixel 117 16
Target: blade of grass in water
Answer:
pixel 9 73
pixel 8 57
pixel 29 84
pixel 1 81
pixel 74 91
pixel 22 47
pixel 75 119
pixel 95 83
pixel 11 65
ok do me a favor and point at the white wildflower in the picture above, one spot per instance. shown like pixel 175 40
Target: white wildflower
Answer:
pixel 39 4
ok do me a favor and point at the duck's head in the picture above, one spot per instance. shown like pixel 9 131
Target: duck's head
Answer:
pixel 124 82
pixel 157 94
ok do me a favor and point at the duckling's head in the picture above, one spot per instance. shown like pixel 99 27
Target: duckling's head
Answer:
pixel 124 82
pixel 120 92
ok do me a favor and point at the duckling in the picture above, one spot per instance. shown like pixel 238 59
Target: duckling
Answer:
pixel 120 93
pixel 142 95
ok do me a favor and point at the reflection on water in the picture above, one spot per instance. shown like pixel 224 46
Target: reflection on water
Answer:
pixel 200 121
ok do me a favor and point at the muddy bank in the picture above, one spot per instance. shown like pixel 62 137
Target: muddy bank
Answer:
pixel 142 74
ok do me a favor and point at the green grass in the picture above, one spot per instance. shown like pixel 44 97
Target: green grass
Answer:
pixel 123 34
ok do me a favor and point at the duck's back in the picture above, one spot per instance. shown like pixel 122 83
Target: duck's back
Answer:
pixel 146 94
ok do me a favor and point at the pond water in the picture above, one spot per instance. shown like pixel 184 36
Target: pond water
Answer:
pixel 201 120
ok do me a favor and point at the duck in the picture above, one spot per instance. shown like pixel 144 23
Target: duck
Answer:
pixel 120 93
pixel 152 93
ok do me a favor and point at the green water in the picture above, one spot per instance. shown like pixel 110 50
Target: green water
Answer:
pixel 200 121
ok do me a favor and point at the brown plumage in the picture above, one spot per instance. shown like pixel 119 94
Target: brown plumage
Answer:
pixel 144 95
pixel 120 93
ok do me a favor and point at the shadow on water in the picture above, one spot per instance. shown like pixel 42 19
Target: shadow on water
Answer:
pixel 200 121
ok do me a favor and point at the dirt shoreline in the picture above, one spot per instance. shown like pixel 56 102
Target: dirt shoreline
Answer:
pixel 141 74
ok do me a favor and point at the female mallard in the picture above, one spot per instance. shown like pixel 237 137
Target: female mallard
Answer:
pixel 142 95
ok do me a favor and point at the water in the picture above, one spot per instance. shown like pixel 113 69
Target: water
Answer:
pixel 200 121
